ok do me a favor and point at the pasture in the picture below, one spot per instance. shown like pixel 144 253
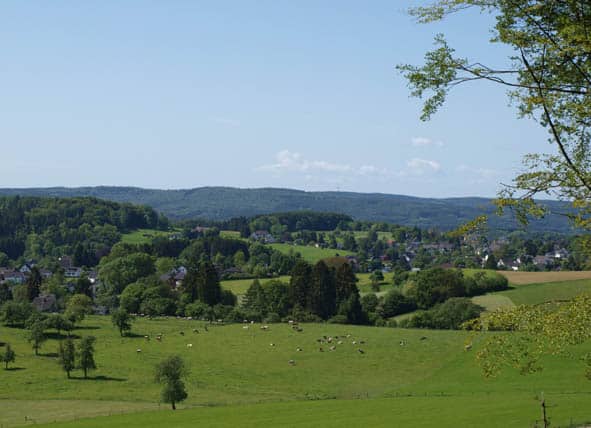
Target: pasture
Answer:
pixel 240 286
pixel 309 253
pixel 525 278
pixel 239 372
pixel 143 236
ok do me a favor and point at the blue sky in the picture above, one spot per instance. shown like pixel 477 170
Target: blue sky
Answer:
pixel 298 94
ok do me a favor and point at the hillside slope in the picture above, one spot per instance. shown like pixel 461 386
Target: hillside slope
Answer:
pixel 225 202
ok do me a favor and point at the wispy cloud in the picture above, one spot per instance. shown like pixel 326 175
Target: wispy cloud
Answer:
pixel 482 173
pixel 287 161
pixel 225 121
pixel 425 142
pixel 418 166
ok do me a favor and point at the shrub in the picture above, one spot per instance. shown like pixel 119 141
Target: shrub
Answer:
pixel 338 319
pixel 395 303
pixel 448 315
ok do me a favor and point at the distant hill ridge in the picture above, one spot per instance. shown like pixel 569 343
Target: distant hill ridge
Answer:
pixel 225 202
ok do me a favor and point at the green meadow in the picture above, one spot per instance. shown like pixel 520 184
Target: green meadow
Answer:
pixel 143 236
pixel 240 286
pixel 240 376
pixel 309 253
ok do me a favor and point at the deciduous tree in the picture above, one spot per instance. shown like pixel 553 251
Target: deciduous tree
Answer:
pixel 170 373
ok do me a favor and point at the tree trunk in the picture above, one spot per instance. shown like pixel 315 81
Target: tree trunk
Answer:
pixel 6 365
pixel 544 417
pixel 173 406
pixel 68 373
pixel 85 372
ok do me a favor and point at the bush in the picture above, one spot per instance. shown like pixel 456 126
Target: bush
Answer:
pixel 158 306
pixel 198 310
pixel 436 285
pixel 228 298
pixel 15 314
pixel 272 317
pixel 222 312
pixel 448 315
pixel 338 319
pixel 369 302
pixel 395 303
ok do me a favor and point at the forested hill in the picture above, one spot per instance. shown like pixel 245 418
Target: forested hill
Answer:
pixel 37 227
pixel 219 203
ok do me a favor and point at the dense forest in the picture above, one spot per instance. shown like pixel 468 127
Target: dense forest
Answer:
pixel 36 227
pixel 221 203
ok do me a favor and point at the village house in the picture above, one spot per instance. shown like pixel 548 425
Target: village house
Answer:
pixel 263 236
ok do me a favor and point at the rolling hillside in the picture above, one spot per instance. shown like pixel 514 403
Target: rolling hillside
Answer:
pixel 224 202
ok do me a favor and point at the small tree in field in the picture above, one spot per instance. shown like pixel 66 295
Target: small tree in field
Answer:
pixel 170 373
pixel 86 354
pixel 67 356
pixel 376 277
pixel 122 320
pixel 37 335
pixel 8 356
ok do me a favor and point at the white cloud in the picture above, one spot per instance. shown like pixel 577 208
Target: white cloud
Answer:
pixel 287 161
pixel 232 123
pixel 418 166
pixel 482 173
pixel 425 142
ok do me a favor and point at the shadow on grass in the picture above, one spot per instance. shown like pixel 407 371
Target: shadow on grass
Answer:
pixel 99 378
pixel 48 354
pixel 13 369
pixel 61 336
pixel 86 327
pixel 134 335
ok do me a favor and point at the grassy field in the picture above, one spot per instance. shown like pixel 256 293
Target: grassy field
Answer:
pixel 230 234
pixel 538 293
pixel 524 278
pixel 364 284
pixel 430 382
pixel 143 236
pixel 240 286
pixel 515 410
pixel 310 254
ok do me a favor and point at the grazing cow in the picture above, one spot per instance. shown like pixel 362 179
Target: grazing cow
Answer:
pixel 361 351
pixel 195 330
pixel 468 347
pixel 299 349
pixel 264 327
pixel 159 338
pixel 272 344
pixel 138 350
pixel 423 338
pixel 402 342
pixel 332 348
pixel 320 349
pixel 245 327
pixel 182 333
pixel 189 345
pixel 291 362
pixel 362 342
pixel 340 342
pixel 354 342
pixel 147 337
pixel 205 327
